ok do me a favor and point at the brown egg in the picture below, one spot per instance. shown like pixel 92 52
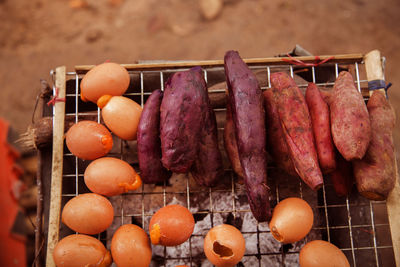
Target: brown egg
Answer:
pixel 81 250
pixel 291 220
pixel 224 245
pixel 89 140
pixel 111 176
pixel 88 214
pixel 130 246
pixel 121 115
pixel 104 79
pixel 319 253
pixel 171 225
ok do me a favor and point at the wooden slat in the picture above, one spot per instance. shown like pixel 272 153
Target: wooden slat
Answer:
pixel 351 58
pixel 57 167
pixel 374 69
pixel 393 207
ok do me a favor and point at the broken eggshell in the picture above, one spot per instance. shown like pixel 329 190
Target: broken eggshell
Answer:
pixel 224 245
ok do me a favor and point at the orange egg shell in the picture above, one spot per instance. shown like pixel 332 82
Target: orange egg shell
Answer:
pixel 81 250
pixel 109 176
pixel 171 225
pixel 104 79
pixel 89 140
pixel 121 115
pixel 291 220
pixel 224 245
pixel 88 214
pixel 130 246
pixel 319 253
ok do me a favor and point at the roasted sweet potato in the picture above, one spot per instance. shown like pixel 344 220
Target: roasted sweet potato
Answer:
pixel 296 125
pixel 350 125
pixel 230 142
pixel 342 177
pixel 183 110
pixel 319 112
pixel 276 142
pixel 375 173
pixel 208 168
pixel 148 141
pixel 246 100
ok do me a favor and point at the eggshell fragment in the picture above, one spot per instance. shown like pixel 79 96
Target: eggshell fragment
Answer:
pixel 291 220
pixel 121 115
pixel 111 176
pixel 89 140
pixel 81 250
pixel 104 79
pixel 171 225
pixel 319 253
pixel 88 214
pixel 224 245
pixel 130 246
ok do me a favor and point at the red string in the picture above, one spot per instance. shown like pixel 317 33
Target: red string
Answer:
pixel 298 62
pixel 55 99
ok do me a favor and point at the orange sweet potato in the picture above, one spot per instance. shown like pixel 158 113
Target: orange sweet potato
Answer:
pixel 375 173
pixel 319 112
pixel 350 125
pixel 276 142
pixel 296 125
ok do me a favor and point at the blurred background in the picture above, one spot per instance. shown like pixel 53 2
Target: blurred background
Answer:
pixel 38 35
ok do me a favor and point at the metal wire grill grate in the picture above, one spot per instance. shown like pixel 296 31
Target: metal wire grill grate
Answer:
pixel 357 226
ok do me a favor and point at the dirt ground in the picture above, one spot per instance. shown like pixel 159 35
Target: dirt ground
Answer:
pixel 38 35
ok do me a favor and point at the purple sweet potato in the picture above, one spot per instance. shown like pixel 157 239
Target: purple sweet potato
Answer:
pixel 208 168
pixel 148 141
pixel 182 117
pixel 276 142
pixel 296 125
pixel 230 142
pixel 350 125
pixel 246 100
pixel 342 177
pixel 320 120
pixel 375 173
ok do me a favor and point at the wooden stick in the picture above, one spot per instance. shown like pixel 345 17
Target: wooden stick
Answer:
pixel 351 58
pixel 57 168
pixel 373 65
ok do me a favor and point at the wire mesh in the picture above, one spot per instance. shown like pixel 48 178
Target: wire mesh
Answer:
pixel 357 226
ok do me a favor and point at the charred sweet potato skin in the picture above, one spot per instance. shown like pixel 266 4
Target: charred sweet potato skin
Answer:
pixel 230 142
pixel 296 125
pixel 276 143
pixel 375 173
pixel 208 168
pixel 342 177
pixel 148 141
pixel 350 124
pixel 182 117
pixel 246 99
pixel 320 119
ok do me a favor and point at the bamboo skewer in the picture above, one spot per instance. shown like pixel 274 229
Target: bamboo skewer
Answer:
pixel 57 167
